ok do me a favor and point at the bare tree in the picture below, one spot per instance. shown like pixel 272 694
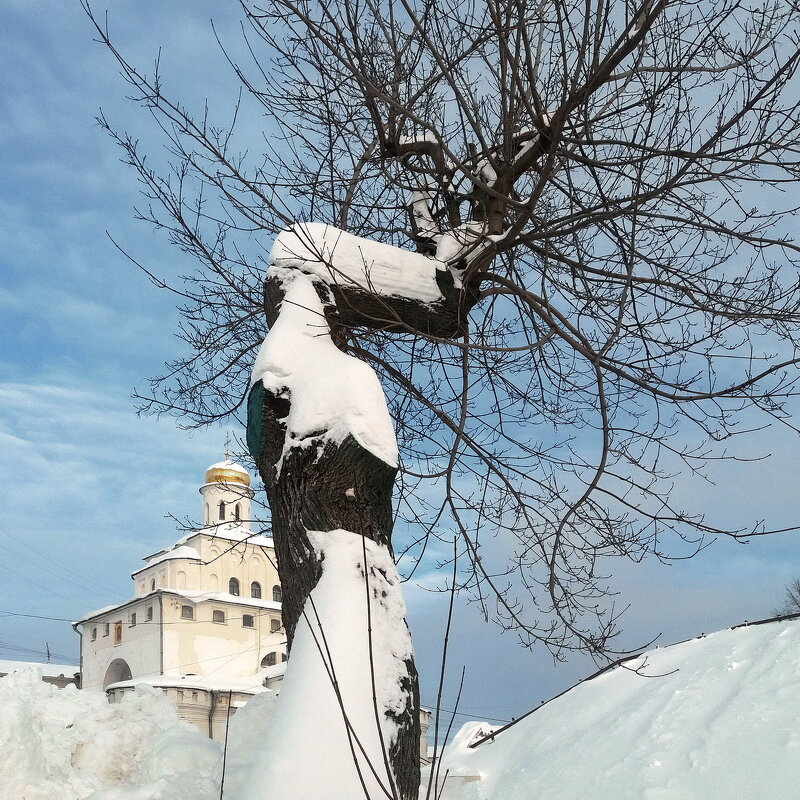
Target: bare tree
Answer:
pixel 791 600
pixel 600 192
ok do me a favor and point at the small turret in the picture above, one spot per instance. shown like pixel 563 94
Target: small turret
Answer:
pixel 226 494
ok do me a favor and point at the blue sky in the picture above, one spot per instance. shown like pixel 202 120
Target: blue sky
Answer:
pixel 87 484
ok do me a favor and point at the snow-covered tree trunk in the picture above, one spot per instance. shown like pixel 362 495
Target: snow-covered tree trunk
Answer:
pixel 324 444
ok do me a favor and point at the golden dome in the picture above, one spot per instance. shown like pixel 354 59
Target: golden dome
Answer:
pixel 227 472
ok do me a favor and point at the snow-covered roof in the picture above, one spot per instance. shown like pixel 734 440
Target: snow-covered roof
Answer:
pixel 229 465
pixel 47 670
pixel 180 551
pixel 234 532
pixel 228 532
pixel 100 611
pixel 195 595
pixel 200 596
pixel 252 684
pixel 711 717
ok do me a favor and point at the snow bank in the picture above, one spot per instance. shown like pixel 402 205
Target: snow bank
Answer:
pixel 332 394
pixel 67 744
pixel 308 750
pixel 715 717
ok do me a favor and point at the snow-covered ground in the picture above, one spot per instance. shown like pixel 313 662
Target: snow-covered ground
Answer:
pixel 715 717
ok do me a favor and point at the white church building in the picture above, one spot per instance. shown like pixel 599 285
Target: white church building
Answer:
pixel 204 623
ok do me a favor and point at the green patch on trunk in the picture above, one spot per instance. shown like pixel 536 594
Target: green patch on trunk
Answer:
pixel 255 419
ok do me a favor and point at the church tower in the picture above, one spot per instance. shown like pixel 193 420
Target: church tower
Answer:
pixel 226 494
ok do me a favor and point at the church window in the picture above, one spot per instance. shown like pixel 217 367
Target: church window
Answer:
pixel 221 510
pixel 233 586
pixel 208 514
pixel 149 613
pixel 236 512
pixel 152 584
pixel 283 656
pixel 274 625
pixel 255 589
pixel 277 594
pixel 218 616
pixel 187 612
pixel 133 619
pixel 248 621
pixel 106 629
pixel 269 660
pixel 94 633
pixel 118 633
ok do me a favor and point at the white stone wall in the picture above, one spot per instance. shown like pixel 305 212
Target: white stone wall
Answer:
pixel 139 646
pixel 226 649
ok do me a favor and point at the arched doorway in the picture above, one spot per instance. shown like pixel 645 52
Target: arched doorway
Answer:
pixel 118 670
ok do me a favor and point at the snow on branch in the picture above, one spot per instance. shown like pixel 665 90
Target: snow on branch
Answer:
pixel 338 257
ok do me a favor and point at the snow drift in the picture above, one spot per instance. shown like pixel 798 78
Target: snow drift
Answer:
pixel 715 717
pixel 67 744
pixel 711 718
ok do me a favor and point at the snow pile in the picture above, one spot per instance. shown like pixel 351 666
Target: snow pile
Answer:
pixel 67 744
pixel 338 257
pixel 331 394
pixel 309 750
pixel 246 734
pixel 715 717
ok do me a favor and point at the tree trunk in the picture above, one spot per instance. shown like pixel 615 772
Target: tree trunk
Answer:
pixel 325 487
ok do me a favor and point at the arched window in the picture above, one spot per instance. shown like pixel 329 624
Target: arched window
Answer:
pixel 255 589
pixel 208 515
pixel 152 584
pixel 248 621
pixel 221 510
pixel 187 612
pixel 277 594
pixel 218 616
pixel 236 512
pixel 233 586
pixel 269 660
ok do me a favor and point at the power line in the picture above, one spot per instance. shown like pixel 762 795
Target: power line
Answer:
pixel 4 613
pixel 57 563
pixel 39 585
pixel 84 587
pixel 31 651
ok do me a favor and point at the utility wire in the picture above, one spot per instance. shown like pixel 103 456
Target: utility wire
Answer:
pixel 61 566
